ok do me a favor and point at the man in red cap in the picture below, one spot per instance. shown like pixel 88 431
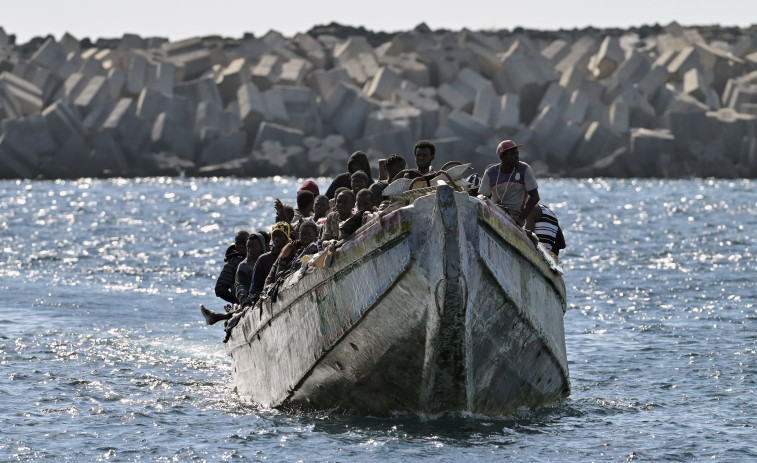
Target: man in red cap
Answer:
pixel 312 187
pixel 511 183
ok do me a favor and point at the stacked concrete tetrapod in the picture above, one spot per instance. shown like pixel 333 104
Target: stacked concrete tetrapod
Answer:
pixel 675 102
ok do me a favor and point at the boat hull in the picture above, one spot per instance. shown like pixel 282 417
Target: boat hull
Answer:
pixel 444 305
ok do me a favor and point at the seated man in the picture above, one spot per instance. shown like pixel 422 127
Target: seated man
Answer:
pixel 280 236
pixel 345 201
pixel 359 180
pixel 511 183
pixel 365 209
pixel 257 244
pixel 234 255
pixel 543 223
pixel 289 259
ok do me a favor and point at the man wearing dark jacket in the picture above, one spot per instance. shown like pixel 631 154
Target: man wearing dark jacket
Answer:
pixel 234 255
pixel 358 161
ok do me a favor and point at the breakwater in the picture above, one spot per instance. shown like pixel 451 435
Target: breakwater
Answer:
pixel 668 101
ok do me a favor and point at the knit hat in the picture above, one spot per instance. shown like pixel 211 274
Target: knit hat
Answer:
pixel 312 187
pixel 282 227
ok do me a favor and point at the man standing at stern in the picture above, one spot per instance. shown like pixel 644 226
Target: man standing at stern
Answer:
pixel 511 183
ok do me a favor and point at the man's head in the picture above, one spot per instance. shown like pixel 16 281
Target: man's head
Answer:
pixel 255 246
pixel 288 214
pixel 394 165
pixel 345 201
pixel 424 152
pixel 321 206
pixel 240 242
pixel 305 201
pixel 359 180
pixel 364 200
pixel 358 161
pixel 280 234
pixel 508 153
pixel 308 232
pixel 312 187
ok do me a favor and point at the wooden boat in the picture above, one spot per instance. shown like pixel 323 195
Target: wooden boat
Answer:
pixel 441 305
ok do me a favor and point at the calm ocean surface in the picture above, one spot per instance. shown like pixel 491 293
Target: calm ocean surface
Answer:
pixel 104 355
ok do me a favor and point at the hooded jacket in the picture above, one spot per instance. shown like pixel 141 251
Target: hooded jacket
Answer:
pixel 225 282
pixel 358 161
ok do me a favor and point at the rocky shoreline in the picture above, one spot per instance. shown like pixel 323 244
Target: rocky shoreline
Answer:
pixel 656 101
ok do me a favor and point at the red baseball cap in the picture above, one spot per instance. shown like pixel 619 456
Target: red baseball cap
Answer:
pixel 507 145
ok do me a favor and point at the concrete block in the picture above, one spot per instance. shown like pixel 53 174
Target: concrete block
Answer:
pixel 509 112
pixel 555 96
pixel 222 149
pixel 273 158
pixel 525 76
pixel 107 156
pixel 686 59
pixel 647 146
pixel 97 116
pixel 150 103
pixel 642 113
pixel 136 74
pixel 95 90
pixel 346 110
pixel 30 136
pixel 294 71
pixel 597 142
pixel 383 84
pixel 629 72
pixel 326 156
pixel 578 56
pixel 267 72
pixel 389 119
pixel 301 108
pixel 425 99
pixel 195 63
pixel 561 145
pixel 444 62
pixel 620 116
pixel 182 46
pixel 275 109
pixel 543 126
pixel 577 107
pixel 360 68
pixel 556 51
pixel 232 77
pixel 168 134
pixel 483 60
pixel 351 48
pixel 470 130
pixel 204 89
pixel 456 95
pixel 251 108
pixel 695 84
pixel 16 164
pixel 608 58
pixel 732 127
pixel 116 83
pixel 130 42
pixel 64 121
pixel 71 65
pixel 323 82
pixel 653 80
pixel 50 55
pixel 69 43
pixel 572 78
pixel 379 144
pixel 486 106
pixel 312 49
pixel 20 96
pixel 161 76
pixel 123 123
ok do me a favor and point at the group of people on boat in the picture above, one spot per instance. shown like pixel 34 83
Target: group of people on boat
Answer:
pixel 257 263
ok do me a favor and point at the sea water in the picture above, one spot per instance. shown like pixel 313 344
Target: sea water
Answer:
pixel 104 355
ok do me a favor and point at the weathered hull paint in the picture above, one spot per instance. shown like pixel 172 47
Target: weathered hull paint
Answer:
pixel 444 305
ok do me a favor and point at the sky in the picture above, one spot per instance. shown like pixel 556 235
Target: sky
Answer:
pixel 177 20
